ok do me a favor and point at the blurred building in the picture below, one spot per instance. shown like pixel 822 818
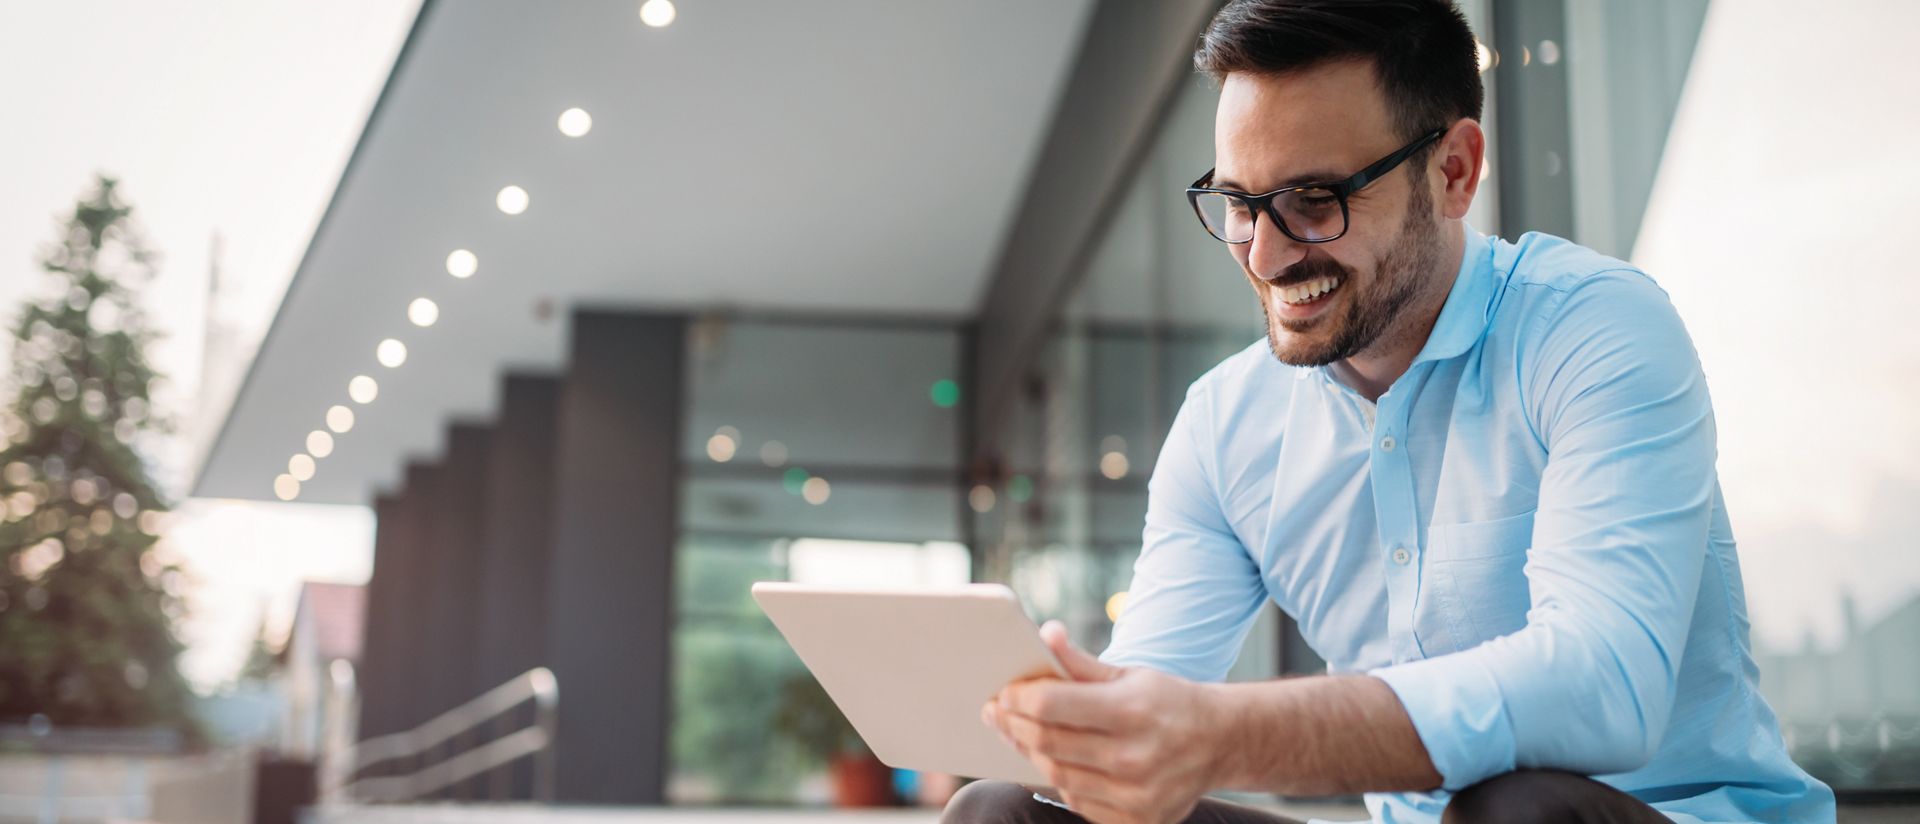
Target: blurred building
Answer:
pixel 1853 713
pixel 606 321
pixel 321 652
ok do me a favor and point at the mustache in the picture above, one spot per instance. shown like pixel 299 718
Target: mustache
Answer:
pixel 1307 270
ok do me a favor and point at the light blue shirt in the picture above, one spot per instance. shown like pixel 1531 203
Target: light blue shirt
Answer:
pixel 1524 538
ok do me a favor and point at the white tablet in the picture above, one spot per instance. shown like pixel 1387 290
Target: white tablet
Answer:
pixel 911 669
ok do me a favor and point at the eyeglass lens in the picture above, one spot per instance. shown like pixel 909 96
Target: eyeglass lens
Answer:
pixel 1310 215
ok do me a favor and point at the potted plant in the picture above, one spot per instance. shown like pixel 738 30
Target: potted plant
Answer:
pixel 808 717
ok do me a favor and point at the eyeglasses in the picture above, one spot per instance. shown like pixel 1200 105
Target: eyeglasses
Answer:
pixel 1314 213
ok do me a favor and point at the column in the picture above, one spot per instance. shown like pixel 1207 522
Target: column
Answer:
pixel 615 512
pixel 517 505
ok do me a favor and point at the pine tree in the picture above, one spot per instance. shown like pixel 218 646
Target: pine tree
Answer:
pixel 86 633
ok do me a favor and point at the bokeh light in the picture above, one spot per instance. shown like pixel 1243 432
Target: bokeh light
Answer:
pixel 981 498
pixel 362 390
pixel 423 312
pixel 512 200
pixel 658 13
pixel 391 353
pixel 815 490
pixel 575 122
pixel 340 419
pixel 945 393
pixel 462 263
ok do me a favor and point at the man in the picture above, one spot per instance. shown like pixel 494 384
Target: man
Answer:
pixel 1480 474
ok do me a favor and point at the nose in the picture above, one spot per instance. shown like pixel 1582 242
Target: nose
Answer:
pixel 1271 251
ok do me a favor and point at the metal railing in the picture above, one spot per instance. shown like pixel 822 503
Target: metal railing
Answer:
pixel 416 747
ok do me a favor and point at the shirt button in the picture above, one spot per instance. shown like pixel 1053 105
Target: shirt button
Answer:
pixel 1386 444
pixel 1401 556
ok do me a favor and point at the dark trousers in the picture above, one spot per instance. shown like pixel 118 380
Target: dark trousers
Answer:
pixel 1518 797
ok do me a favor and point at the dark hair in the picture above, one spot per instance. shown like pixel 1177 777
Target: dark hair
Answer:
pixel 1422 51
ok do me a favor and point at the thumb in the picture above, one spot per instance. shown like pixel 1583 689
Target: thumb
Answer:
pixel 1080 665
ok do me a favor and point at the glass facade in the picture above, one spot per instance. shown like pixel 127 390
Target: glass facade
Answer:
pixel 814 450
pixel 1158 304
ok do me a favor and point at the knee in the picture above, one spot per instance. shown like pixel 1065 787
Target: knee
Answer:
pixel 988 801
pixel 1519 797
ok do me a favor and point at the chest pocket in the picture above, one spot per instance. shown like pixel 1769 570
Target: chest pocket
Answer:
pixel 1478 574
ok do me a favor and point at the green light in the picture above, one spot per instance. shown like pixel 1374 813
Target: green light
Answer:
pixel 945 393
pixel 1020 489
pixel 793 479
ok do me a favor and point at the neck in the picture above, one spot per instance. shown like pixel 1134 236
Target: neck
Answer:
pixel 1372 371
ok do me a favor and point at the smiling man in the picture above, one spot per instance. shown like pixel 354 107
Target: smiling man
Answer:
pixel 1479 473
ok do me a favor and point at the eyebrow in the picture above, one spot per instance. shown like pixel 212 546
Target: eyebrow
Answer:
pixel 1318 176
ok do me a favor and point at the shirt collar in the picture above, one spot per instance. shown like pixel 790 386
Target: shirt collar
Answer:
pixel 1469 307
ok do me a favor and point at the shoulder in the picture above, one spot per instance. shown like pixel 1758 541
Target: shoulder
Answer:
pixel 1234 416
pixel 1558 293
pixel 1578 321
pixel 1249 378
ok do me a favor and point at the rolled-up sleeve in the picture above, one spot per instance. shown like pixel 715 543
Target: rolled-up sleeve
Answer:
pixel 1616 396
pixel 1195 588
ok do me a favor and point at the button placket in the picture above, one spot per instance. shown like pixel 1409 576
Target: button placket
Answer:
pixel 1393 509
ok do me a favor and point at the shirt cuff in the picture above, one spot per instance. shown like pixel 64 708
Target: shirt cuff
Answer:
pixel 1461 716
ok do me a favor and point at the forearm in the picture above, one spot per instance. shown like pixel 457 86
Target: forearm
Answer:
pixel 1324 735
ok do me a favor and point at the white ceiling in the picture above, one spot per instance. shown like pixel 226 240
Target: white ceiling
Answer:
pixel 846 156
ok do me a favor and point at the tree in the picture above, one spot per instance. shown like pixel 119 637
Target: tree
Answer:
pixel 86 634
pixel 263 661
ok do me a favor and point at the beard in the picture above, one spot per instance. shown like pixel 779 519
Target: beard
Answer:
pixel 1373 311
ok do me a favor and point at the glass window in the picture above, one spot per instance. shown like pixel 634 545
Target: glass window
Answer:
pixel 816 451
pixel 868 394
pixel 1159 304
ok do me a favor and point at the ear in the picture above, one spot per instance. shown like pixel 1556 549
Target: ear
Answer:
pixel 1459 159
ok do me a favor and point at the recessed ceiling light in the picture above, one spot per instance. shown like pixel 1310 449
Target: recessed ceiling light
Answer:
pixel 423 312
pixel 362 389
pixel 513 200
pixel 319 443
pixel 340 419
pixel 462 263
pixel 657 13
pixel 391 353
pixel 575 122
pixel 286 488
pixel 301 467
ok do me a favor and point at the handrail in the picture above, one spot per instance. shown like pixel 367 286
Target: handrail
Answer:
pixel 537 685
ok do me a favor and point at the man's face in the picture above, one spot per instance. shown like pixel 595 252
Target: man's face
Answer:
pixel 1314 126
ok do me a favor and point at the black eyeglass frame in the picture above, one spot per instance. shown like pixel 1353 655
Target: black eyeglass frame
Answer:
pixel 1339 189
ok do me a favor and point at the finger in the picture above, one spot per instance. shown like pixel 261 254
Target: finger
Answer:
pixel 1085 791
pixel 991 716
pixel 1057 703
pixel 1080 665
pixel 1067 744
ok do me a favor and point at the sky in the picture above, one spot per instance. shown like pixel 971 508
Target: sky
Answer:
pixel 227 117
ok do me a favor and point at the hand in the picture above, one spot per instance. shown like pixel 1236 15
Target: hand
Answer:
pixel 1121 745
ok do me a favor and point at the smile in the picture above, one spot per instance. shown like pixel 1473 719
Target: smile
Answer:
pixel 1301 294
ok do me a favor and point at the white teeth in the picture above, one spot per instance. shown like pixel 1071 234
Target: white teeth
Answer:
pixel 1305 292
